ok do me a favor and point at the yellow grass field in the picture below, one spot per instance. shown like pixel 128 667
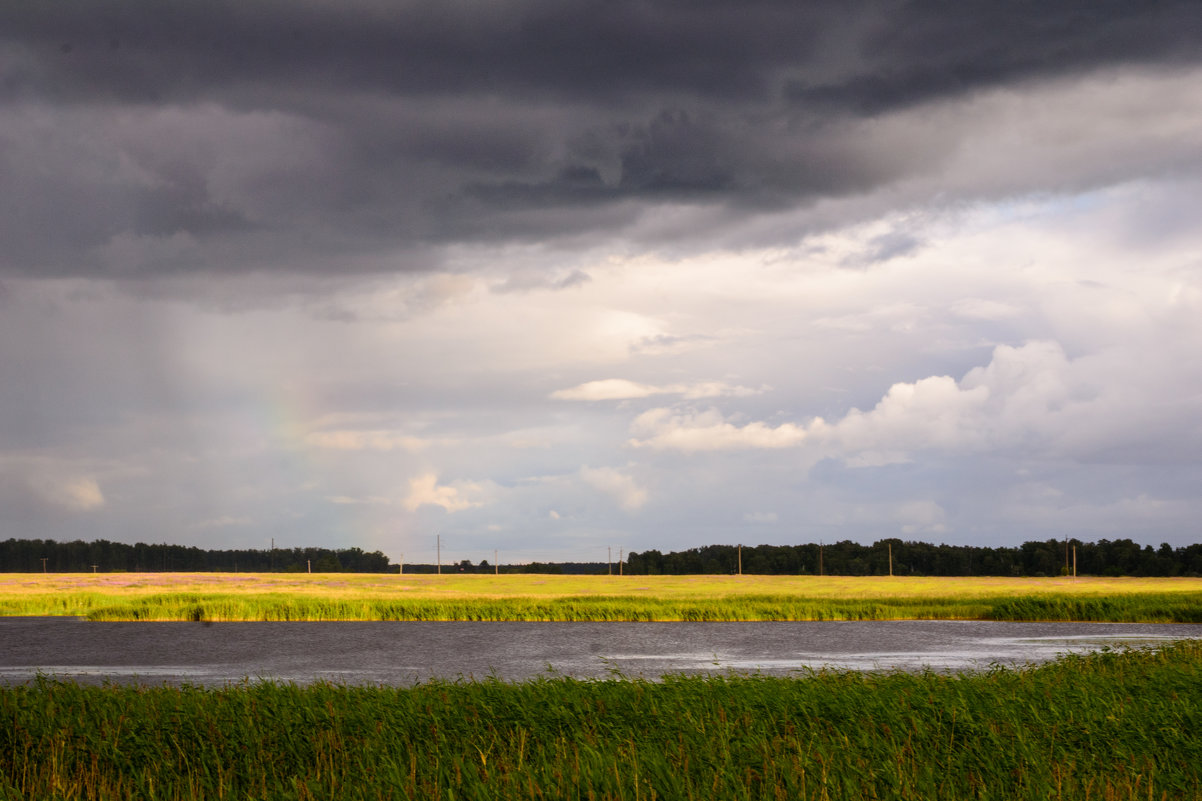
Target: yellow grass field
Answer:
pixel 359 586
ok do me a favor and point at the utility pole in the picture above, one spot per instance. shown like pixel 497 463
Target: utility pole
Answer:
pixel 609 560
pixel 44 563
pixel 309 562
pixel 1074 563
pixel 740 560
pixel 438 541
pixel 620 562
pixel 401 566
pixel 271 562
pixel 820 558
pixel 890 560
pixel 496 565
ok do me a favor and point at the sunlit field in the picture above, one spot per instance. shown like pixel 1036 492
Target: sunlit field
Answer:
pixel 343 596
pixel 453 585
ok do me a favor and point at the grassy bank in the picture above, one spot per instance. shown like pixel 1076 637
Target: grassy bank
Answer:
pixel 594 598
pixel 1105 726
pixel 1151 608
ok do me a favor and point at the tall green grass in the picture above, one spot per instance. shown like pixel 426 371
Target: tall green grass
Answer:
pixel 1175 607
pixel 585 608
pixel 1159 608
pixel 1143 608
pixel 1111 725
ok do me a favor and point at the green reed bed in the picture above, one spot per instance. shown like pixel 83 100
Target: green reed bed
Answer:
pixel 56 604
pixel 1143 608
pixel 1150 607
pixel 583 608
pixel 1111 725
pixel 1177 607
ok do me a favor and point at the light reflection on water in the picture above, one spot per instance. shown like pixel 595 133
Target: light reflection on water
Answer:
pixel 397 653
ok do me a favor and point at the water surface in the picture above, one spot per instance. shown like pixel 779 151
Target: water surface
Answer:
pixel 404 653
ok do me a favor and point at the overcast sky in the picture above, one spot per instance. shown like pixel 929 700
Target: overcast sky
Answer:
pixel 551 278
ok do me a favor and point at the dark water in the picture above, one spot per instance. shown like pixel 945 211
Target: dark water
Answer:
pixel 405 653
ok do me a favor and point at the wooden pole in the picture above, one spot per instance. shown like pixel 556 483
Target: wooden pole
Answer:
pixel 619 561
pixel 820 558
pixel 496 565
pixel 609 559
pixel 309 564
pixel 401 566
pixel 740 560
pixel 1074 563
pixel 438 541
pixel 44 558
pixel 890 560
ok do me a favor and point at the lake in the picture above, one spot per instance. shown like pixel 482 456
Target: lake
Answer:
pixel 405 653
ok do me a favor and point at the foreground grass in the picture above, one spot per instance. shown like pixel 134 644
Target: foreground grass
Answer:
pixel 266 597
pixel 1111 725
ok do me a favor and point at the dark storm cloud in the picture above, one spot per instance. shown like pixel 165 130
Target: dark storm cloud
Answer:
pixel 141 137
pixel 895 51
pixel 153 53
pixel 936 49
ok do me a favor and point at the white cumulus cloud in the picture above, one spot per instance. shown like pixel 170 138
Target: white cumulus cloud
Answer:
pixel 61 490
pixel 663 429
pixel 622 389
pixel 1030 397
pixel 618 485
pixel 426 491
pixel 78 494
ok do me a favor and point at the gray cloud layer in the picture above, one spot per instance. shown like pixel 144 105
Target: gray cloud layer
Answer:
pixel 357 137
pixel 553 276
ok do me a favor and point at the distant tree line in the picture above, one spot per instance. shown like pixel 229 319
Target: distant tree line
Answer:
pixel 26 556
pixel 1049 558
pixel 465 566
pixel 846 558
